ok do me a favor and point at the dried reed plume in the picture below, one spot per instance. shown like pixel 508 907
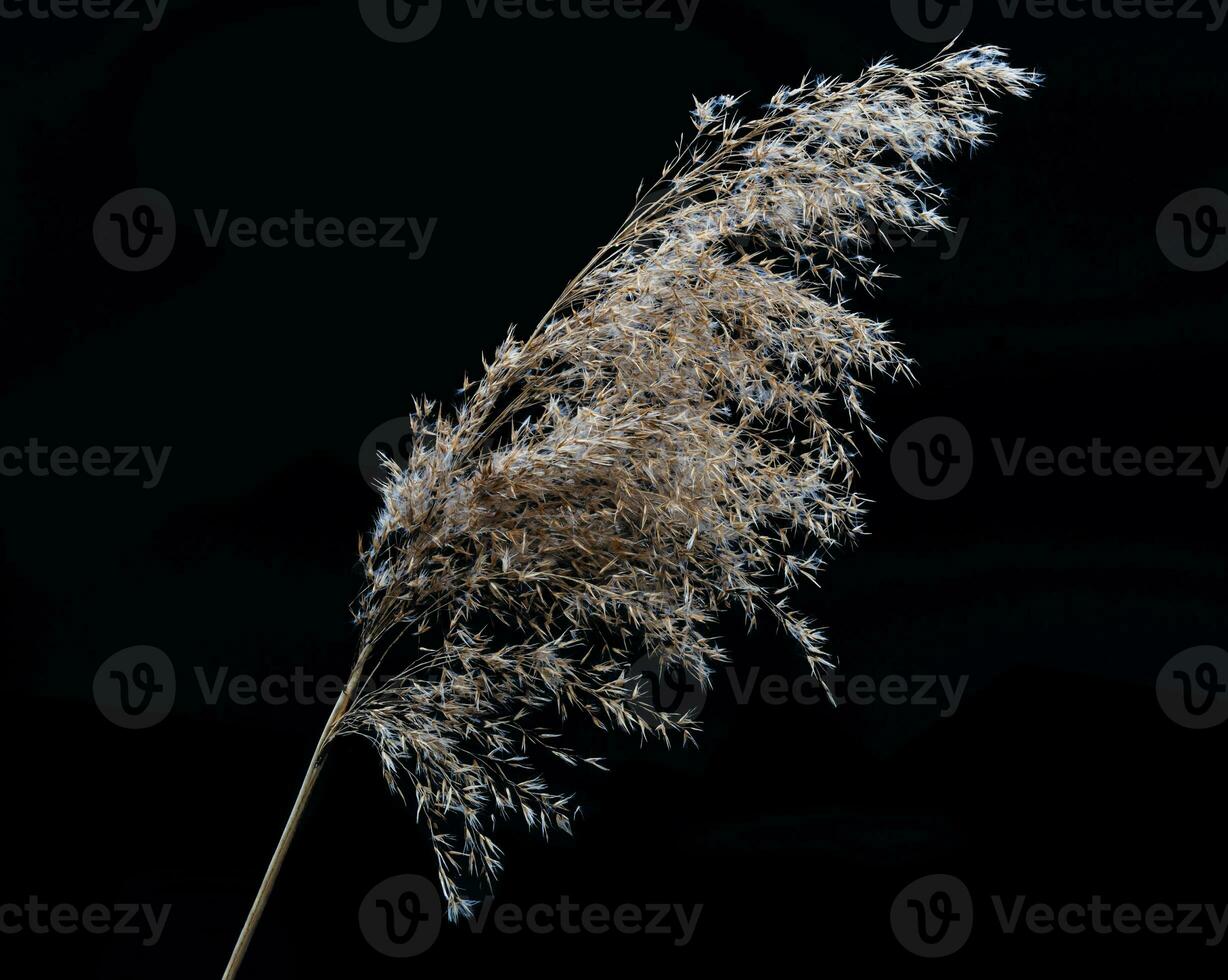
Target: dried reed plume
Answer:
pixel 659 448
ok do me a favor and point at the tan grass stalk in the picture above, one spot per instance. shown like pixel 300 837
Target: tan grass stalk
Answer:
pixel 660 447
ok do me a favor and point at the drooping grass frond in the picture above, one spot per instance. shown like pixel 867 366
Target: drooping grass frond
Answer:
pixel 665 444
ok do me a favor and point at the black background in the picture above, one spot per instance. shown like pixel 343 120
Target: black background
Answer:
pixel 1058 598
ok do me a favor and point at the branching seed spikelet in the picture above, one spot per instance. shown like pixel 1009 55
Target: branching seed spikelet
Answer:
pixel 665 444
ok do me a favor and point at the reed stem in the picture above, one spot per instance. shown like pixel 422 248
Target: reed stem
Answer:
pixel 292 822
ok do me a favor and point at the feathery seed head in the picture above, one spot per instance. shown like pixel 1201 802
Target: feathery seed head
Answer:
pixel 661 447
